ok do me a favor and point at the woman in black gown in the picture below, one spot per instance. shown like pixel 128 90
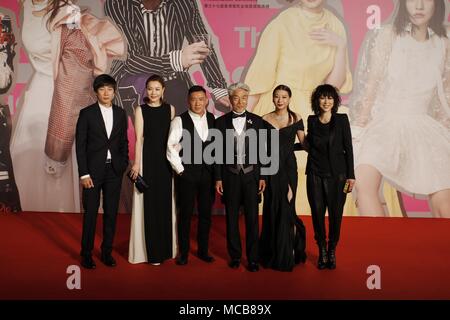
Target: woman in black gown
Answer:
pixel 282 242
pixel 152 125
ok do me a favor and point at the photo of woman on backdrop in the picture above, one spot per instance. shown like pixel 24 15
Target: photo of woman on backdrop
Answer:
pixel 66 47
pixel 400 111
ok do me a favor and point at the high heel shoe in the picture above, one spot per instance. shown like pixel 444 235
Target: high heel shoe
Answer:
pixel 323 257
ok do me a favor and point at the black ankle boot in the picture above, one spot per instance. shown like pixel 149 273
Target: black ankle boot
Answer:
pixel 323 257
pixel 331 256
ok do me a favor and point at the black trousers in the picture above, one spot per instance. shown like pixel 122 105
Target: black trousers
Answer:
pixel 326 193
pixel 110 185
pixel 190 188
pixel 241 189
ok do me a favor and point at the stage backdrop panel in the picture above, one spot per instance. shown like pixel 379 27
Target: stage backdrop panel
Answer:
pixel 239 30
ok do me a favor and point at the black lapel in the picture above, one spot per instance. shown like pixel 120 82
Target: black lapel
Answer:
pixel 116 118
pixel 210 120
pixel 332 131
pixel 248 125
pixel 249 121
pixel 229 121
pixel 100 116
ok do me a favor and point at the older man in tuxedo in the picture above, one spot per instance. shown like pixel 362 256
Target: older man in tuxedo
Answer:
pixel 240 182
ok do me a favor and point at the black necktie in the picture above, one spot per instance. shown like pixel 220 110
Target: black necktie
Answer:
pixel 235 115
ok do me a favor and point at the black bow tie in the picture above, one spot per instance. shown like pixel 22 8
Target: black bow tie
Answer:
pixel 235 115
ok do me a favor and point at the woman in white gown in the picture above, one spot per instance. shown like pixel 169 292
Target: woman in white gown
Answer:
pixel 66 48
pixel 400 109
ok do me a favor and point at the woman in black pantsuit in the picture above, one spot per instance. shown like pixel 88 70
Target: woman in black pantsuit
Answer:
pixel 329 169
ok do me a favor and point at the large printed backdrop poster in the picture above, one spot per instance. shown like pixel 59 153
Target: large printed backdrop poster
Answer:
pixel 396 88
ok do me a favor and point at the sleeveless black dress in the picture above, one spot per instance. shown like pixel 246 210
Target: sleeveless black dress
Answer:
pixel 158 174
pixel 283 235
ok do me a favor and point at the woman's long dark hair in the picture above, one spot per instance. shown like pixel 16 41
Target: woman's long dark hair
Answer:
pixel 436 22
pixel 156 78
pixel 292 115
pixel 325 90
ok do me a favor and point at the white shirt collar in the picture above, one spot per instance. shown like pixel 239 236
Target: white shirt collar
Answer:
pixel 104 107
pixel 194 115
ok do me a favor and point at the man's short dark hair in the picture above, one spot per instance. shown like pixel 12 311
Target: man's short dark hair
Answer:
pixel 196 89
pixel 104 80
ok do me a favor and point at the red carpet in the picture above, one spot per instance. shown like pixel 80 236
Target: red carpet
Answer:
pixel 413 254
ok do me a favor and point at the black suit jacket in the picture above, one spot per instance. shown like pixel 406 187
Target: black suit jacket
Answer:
pixel 340 151
pixel 225 122
pixel 92 141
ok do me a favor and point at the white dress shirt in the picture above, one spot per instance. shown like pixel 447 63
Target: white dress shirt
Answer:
pixel 239 123
pixel 176 133
pixel 107 114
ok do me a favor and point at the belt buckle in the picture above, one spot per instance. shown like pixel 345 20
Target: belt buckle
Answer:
pixel 108 161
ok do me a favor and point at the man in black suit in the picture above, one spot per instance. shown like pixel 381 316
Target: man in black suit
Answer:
pixel 102 155
pixel 195 179
pixel 239 181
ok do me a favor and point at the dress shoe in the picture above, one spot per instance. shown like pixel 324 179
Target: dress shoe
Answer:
pixel 299 257
pixel 332 258
pixel 108 260
pixel 234 264
pixel 205 257
pixel 323 258
pixel 253 267
pixel 181 260
pixel 88 263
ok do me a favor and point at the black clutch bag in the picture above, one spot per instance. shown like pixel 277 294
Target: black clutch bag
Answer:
pixel 139 182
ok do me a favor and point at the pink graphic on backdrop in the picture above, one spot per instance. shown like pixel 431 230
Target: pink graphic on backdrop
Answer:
pixel 236 46
pixel 23 56
pixel 355 19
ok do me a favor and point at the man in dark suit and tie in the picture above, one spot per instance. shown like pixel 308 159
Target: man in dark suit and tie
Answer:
pixel 240 181
pixel 102 155
pixel 195 179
